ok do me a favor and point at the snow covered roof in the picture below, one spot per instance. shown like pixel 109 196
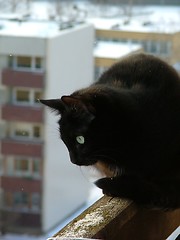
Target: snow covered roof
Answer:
pixel 35 28
pixel 40 20
pixel 158 19
pixel 114 50
pixel 28 29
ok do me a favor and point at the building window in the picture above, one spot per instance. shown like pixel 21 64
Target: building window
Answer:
pixel 26 131
pixel 27 167
pixel 154 47
pixel 165 48
pixel 37 95
pixel 25 201
pixel 8 199
pixel 20 200
pixel 22 165
pixel 21 132
pixel 25 62
pixel 36 166
pixel 36 131
pixel 22 96
pixel 25 96
pixel 35 201
pixel 38 63
pixel 162 48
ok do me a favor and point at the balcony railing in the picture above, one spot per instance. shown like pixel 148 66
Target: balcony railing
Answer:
pixel 21 148
pixel 20 184
pixel 17 78
pixel 22 113
pixel 114 219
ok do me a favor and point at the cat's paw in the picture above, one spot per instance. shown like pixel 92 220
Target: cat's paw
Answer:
pixel 106 185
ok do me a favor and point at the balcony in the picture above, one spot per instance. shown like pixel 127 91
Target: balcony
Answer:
pixel 21 148
pixel 14 221
pixel 15 78
pixel 22 113
pixel 113 219
pixel 15 184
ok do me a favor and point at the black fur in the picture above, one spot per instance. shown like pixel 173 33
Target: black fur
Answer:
pixel 130 121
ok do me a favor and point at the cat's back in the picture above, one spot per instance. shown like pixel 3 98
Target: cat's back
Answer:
pixel 141 69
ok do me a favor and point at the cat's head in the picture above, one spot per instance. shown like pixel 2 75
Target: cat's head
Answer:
pixel 90 126
pixel 75 118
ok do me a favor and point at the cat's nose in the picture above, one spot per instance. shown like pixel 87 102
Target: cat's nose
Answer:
pixel 73 158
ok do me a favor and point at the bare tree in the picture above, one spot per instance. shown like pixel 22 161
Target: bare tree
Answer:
pixel 28 5
pixel 3 5
pixel 13 5
pixel 58 7
pixel 128 8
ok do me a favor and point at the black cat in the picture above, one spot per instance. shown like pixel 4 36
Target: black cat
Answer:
pixel 128 125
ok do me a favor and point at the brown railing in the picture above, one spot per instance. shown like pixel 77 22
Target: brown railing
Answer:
pixel 15 78
pixel 30 148
pixel 32 114
pixel 114 219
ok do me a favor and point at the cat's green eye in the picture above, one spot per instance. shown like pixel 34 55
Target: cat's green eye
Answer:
pixel 80 139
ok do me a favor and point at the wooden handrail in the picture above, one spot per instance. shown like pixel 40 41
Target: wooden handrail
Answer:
pixel 114 218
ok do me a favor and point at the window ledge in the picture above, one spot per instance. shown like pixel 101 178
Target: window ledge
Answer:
pixel 120 219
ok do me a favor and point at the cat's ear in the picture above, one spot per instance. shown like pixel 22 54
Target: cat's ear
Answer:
pixel 68 103
pixel 73 103
pixel 77 104
pixel 54 104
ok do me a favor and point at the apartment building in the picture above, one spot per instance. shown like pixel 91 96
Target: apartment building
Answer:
pixel 156 29
pixel 106 53
pixel 39 186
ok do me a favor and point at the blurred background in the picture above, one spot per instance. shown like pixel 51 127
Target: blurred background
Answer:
pixel 49 49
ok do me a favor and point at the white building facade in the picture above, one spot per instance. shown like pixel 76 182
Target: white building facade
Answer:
pixel 39 186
